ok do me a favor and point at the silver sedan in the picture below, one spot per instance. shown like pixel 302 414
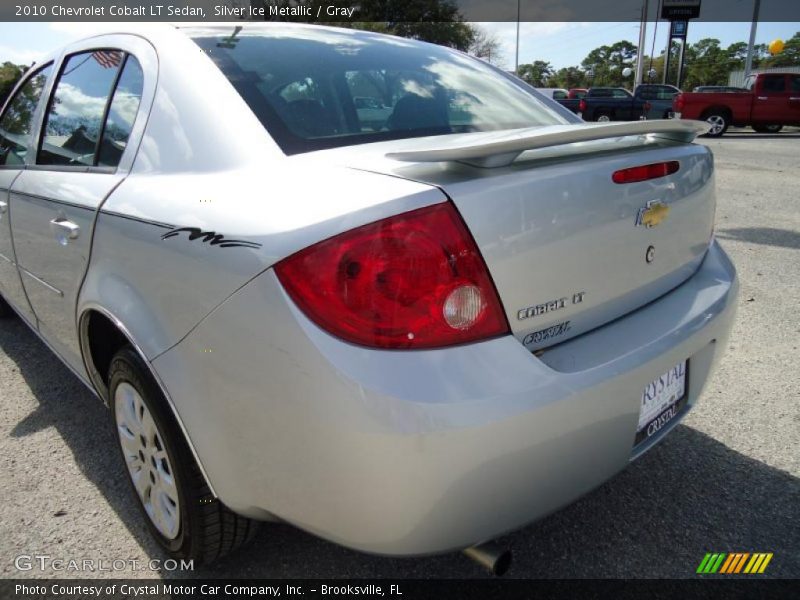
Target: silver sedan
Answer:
pixel 365 285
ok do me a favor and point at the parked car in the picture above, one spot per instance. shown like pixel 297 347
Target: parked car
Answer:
pixel 649 101
pixel 554 93
pixel 659 97
pixel 771 101
pixel 718 88
pixel 293 317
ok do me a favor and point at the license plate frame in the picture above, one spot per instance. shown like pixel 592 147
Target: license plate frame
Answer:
pixel 663 399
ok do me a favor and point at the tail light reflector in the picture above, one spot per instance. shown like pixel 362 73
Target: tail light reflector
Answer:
pixel 582 105
pixel 415 280
pixel 678 103
pixel 645 172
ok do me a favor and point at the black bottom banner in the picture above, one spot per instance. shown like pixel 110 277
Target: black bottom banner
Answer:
pixel 316 589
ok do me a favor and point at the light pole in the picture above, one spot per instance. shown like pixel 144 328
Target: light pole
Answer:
pixel 748 66
pixel 516 58
pixel 642 42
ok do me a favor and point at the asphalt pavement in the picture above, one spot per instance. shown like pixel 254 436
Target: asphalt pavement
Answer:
pixel 725 480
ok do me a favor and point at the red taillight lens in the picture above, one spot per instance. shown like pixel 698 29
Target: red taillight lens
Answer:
pixel 646 172
pixel 677 103
pixel 582 105
pixel 415 280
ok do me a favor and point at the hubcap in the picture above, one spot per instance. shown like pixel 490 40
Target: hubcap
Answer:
pixel 717 124
pixel 603 119
pixel 147 460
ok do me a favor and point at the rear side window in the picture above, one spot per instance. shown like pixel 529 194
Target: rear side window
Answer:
pixel 17 122
pixel 121 113
pixel 323 88
pixel 774 83
pixel 796 83
pixel 75 114
pixel 659 93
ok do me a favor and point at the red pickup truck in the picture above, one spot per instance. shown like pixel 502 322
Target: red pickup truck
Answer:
pixel 771 101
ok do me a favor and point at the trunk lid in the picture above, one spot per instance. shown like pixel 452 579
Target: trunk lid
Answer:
pixel 559 237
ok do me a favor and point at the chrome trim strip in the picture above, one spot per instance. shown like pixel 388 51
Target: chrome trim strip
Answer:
pixel 42 281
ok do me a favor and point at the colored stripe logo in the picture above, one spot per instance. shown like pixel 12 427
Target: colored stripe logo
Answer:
pixel 734 563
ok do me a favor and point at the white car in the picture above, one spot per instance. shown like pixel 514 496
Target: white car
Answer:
pixel 554 93
pixel 406 338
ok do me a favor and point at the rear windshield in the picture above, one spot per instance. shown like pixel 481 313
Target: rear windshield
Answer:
pixel 315 88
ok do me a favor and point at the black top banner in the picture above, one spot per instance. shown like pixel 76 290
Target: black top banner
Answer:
pixel 327 11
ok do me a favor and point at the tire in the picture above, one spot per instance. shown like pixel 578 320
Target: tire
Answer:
pixel 181 514
pixel 5 309
pixel 767 128
pixel 602 117
pixel 719 122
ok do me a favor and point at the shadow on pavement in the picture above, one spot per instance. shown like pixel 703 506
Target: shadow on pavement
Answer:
pixel 80 419
pixel 767 236
pixel 688 496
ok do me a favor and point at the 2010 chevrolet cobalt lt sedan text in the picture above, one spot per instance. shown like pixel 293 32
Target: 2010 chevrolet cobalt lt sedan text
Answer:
pixel 365 285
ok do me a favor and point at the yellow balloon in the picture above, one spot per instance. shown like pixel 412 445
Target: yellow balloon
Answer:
pixel 776 47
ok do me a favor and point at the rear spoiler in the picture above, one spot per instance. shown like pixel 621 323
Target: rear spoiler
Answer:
pixel 501 148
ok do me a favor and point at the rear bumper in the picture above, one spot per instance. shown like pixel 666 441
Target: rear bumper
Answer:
pixel 409 453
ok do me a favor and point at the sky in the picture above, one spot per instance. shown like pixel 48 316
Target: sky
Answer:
pixel 561 44
pixel 567 44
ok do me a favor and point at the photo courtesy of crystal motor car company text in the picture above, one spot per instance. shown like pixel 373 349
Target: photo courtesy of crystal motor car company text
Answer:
pixel 368 286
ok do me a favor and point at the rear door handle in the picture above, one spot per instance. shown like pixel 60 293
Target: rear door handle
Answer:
pixel 762 97
pixel 794 98
pixel 64 230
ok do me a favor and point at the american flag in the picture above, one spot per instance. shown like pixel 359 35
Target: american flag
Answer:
pixel 108 59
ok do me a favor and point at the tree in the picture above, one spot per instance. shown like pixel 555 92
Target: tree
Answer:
pixel 706 64
pixel 486 46
pixel 435 21
pixel 9 75
pixel 608 62
pixel 536 73
pixel 568 77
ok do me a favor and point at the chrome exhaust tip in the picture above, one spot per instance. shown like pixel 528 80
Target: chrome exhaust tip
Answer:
pixel 491 557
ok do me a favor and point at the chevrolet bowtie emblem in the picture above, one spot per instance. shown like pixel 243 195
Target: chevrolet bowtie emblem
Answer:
pixel 653 214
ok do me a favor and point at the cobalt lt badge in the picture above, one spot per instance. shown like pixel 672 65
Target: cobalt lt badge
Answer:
pixel 652 214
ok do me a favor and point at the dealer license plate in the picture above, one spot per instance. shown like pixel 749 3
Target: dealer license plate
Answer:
pixel 662 400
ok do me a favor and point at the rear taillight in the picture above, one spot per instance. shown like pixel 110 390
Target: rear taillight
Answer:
pixel 678 103
pixel 415 280
pixel 645 172
pixel 582 105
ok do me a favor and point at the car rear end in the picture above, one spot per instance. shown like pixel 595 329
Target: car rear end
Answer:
pixel 441 375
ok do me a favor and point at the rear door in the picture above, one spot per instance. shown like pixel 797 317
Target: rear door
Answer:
pixel 794 99
pixel 86 145
pixel 771 100
pixel 624 105
pixel 16 140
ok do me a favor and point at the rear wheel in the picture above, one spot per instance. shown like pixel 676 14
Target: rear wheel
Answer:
pixel 719 123
pixel 767 128
pixel 181 513
pixel 602 117
pixel 5 309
